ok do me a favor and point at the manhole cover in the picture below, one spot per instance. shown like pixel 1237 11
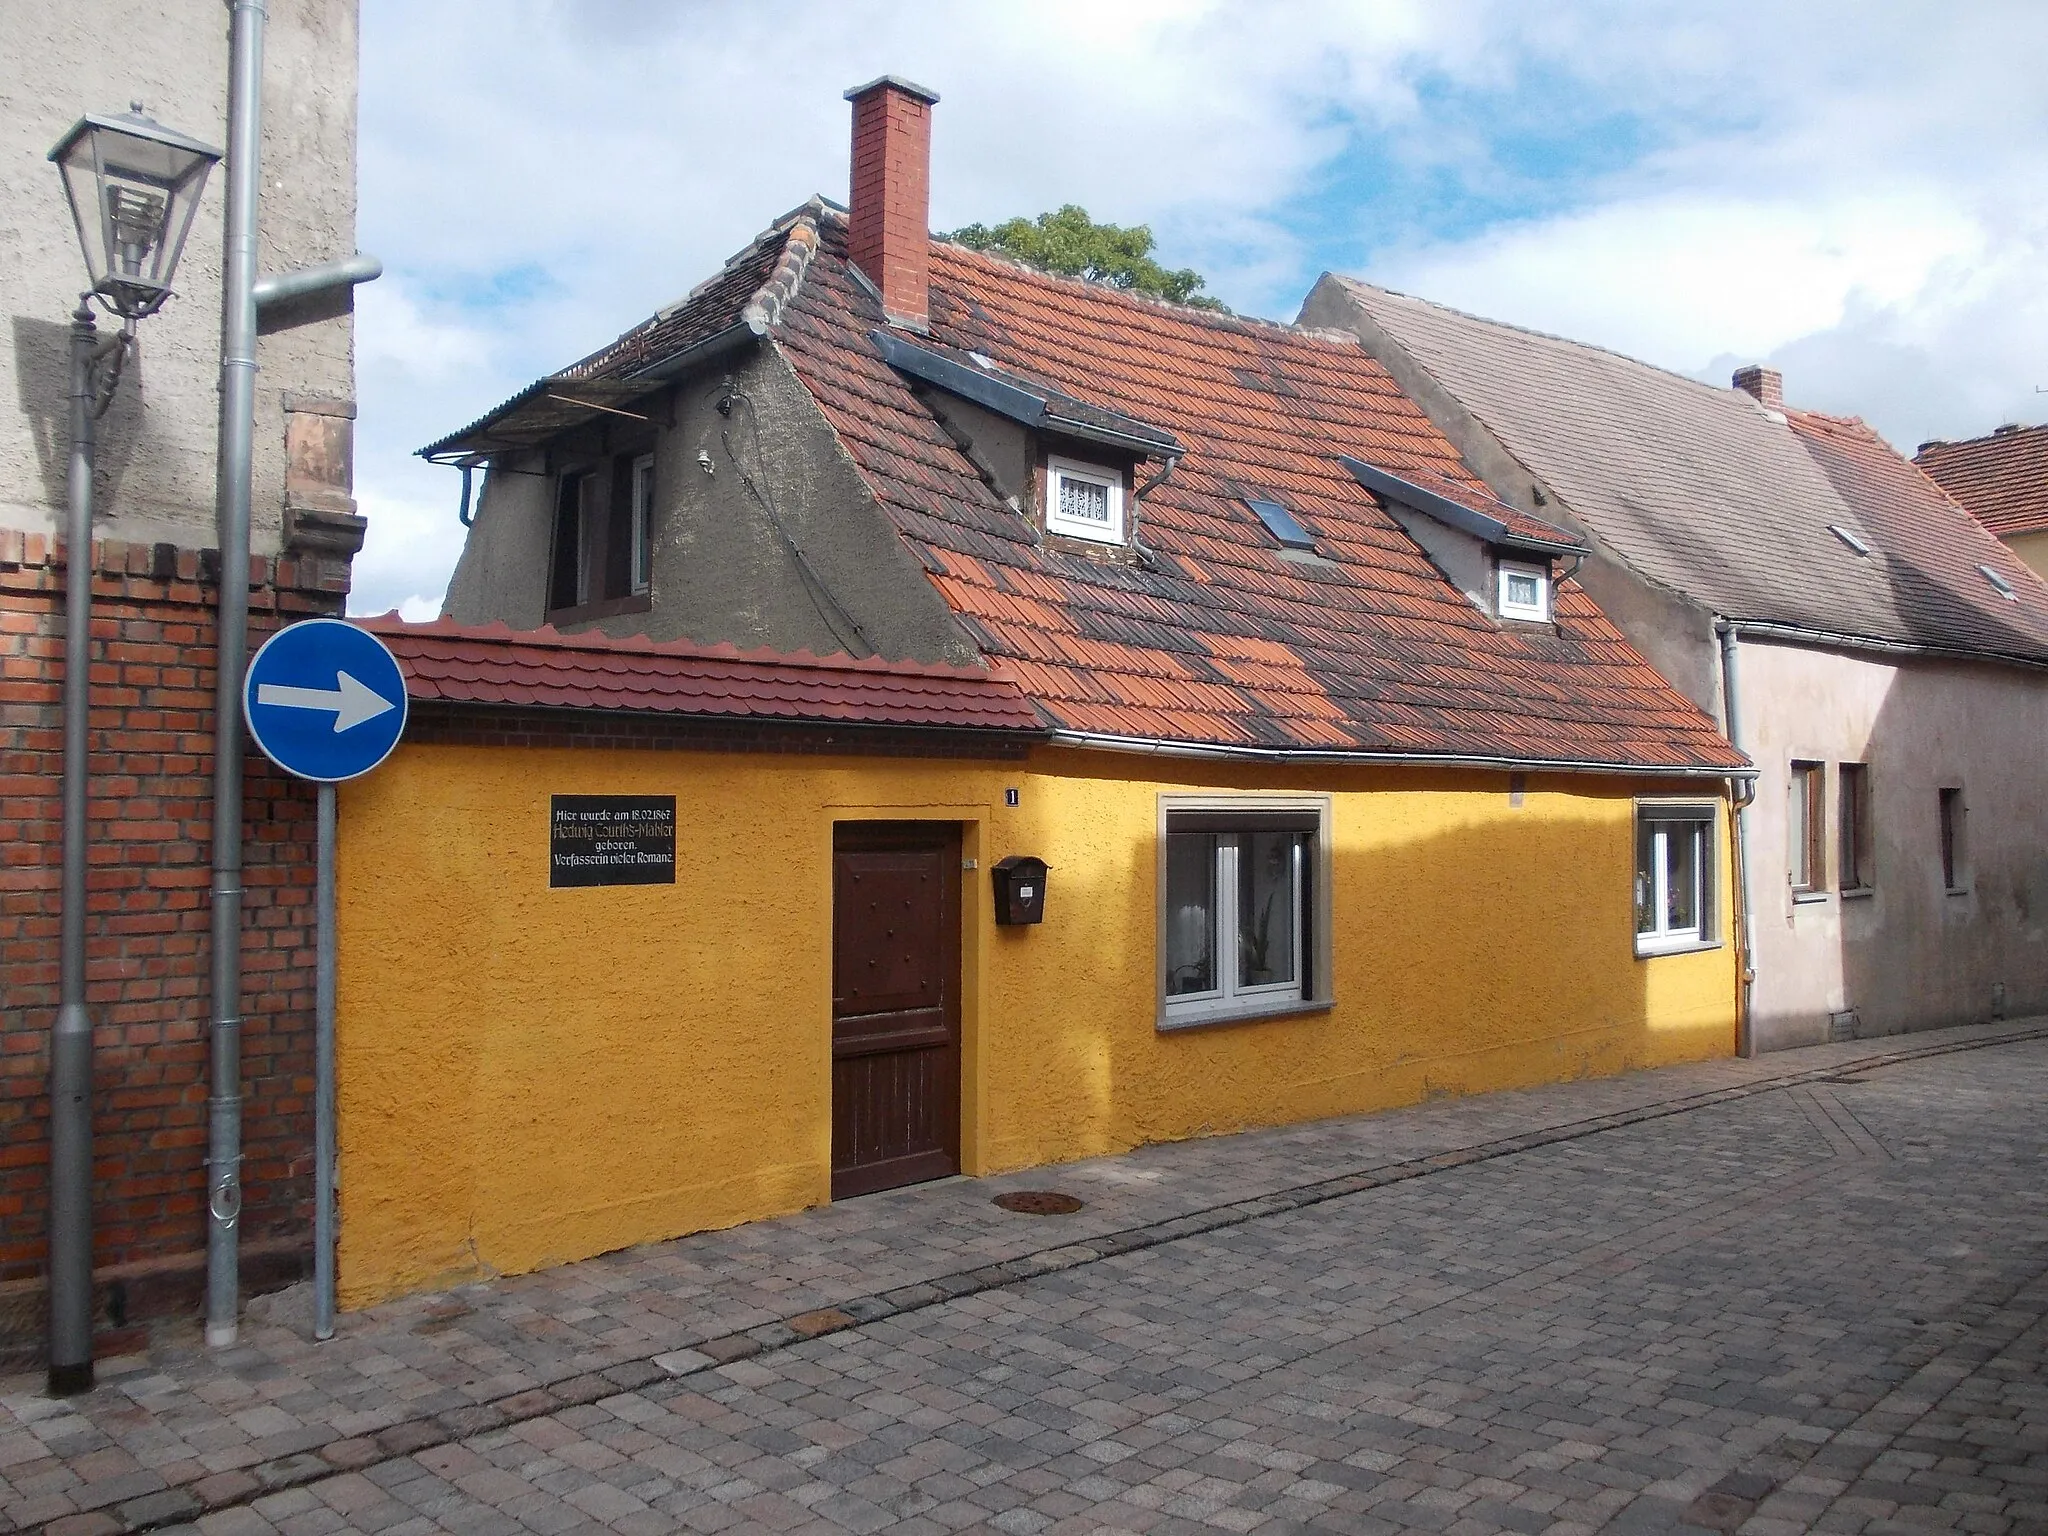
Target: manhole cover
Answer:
pixel 1039 1202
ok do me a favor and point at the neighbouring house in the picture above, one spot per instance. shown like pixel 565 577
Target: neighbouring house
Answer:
pixel 1157 729
pixel 1881 658
pixel 153 625
pixel 2003 482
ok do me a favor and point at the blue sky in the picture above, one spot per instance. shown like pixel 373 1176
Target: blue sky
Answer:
pixel 1855 193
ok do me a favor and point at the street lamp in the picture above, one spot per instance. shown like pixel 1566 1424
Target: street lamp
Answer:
pixel 133 185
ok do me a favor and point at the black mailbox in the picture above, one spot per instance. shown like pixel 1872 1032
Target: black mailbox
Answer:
pixel 1020 889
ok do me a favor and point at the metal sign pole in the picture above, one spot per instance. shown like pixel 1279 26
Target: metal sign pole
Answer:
pixel 323 1078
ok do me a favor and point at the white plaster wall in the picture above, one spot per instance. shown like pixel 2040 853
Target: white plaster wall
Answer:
pixel 1911 955
pixel 62 58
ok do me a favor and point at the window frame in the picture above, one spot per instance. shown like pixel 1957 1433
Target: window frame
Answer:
pixel 1706 932
pixel 1809 835
pixel 1528 613
pixel 583 478
pixel 640 560
pixel 1233 1002
pixel 1856 872
pixel 1103 475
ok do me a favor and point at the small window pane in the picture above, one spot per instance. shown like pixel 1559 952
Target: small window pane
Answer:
pixel 1522 590
pixel 1646 877
pixel 1266 907
pixel 1084 501
pixel 1190 913
pixel 1682 866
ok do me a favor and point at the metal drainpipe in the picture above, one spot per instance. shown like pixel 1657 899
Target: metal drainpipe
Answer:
pixel 1745 917
pixel 237 430
pixel 71 1038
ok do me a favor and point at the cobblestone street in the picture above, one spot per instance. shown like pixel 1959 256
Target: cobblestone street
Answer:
pixel 1808 1292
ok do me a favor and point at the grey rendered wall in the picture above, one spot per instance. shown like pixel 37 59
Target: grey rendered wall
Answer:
pixel 721 569
pixel 1910 955
pixel 62 58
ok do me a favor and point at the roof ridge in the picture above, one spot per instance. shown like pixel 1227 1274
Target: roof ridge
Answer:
pixel 547 636
pixel 799 228
pixel 1719 390
pixel 1227 320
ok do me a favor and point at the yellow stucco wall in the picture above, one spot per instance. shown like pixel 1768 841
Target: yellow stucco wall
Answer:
pixel 530 1075
pixel 2032 548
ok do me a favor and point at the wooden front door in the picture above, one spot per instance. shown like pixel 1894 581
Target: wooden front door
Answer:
pixel 895 1004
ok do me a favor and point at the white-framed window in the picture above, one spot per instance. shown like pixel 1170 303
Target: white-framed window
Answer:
pixel 1084 501
pixel 1524 591
pixel 1244 907
pixel 643 521
pixel 1675 889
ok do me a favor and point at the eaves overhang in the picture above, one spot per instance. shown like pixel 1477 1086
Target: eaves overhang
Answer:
pixel 1365 757
pixel 1454 514
pixel 1030 404
pixel 551 406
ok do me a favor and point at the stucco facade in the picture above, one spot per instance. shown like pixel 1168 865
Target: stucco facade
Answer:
pixel 1907 952
pixel 157 444
pixel 557 1073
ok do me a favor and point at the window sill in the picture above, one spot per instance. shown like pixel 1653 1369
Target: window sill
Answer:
pixel 1859 893
pixel 1807 898
pixel 1959 890
pixel 1654 950
pixel 608 608
pixel 1294 1008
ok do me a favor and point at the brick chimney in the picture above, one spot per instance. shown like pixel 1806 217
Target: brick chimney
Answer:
pixel 1766 384
pixel 889 211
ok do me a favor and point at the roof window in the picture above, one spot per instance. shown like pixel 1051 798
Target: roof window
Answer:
pixel 1524 592
pixel 1849 538
pixel 1084 501
pixel 2005 588
pixel 1281 523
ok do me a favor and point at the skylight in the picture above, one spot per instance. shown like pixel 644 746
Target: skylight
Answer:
pixel 2005 588
pixel 1281 524
pixel 1849 538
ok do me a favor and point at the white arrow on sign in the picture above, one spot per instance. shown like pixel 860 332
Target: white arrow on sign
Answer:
pixel 352 701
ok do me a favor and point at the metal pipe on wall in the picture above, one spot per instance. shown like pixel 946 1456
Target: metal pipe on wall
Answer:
pixel 71 1035
pixel 1745 917
pixel 237 431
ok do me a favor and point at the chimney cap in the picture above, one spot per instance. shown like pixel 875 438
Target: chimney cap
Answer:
pixel 896 82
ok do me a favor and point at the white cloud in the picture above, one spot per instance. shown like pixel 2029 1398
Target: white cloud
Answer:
pixel 1841 189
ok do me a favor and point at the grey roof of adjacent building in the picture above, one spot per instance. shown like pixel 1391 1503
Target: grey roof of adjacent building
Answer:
pixel 1704 491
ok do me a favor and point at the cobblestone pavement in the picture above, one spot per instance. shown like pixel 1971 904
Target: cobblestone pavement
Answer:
pixel 1808 1292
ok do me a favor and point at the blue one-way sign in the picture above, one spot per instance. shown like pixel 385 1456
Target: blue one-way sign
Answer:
pixel 324 700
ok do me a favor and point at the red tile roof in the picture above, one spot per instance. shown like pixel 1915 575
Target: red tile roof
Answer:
pixel 1934 557
pixel 1221 640
pixel 542 669
pixel 2002 479
pixel 1213 638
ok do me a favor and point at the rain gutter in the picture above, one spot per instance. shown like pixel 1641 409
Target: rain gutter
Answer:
pixel 1211 752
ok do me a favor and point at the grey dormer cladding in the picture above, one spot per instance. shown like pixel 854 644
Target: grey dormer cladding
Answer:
pixel 1456 515
pixel 1030 404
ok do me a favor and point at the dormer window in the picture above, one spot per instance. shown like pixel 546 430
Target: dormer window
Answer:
pixel 1524 592
pixel 1084 501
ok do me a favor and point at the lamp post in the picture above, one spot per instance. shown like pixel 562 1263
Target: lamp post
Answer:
pixel 133 185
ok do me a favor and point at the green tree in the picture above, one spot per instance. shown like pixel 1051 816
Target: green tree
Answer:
pixel 1073 245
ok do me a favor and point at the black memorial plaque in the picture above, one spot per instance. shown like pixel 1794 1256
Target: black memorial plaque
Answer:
pixel 612 840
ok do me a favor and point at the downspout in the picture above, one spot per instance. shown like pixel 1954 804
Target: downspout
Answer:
pixel 237 431
pixel 1743 793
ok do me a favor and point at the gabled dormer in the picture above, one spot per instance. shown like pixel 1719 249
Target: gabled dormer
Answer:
pixel 1073 470
pixel 1503 560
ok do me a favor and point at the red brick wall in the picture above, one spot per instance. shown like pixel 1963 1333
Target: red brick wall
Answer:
pixel 148 940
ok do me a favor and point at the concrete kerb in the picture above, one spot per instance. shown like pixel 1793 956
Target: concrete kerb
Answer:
pixel 669 1372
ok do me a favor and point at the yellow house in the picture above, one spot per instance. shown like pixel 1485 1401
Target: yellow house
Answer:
pixel 534 1070
pixel 1158 730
